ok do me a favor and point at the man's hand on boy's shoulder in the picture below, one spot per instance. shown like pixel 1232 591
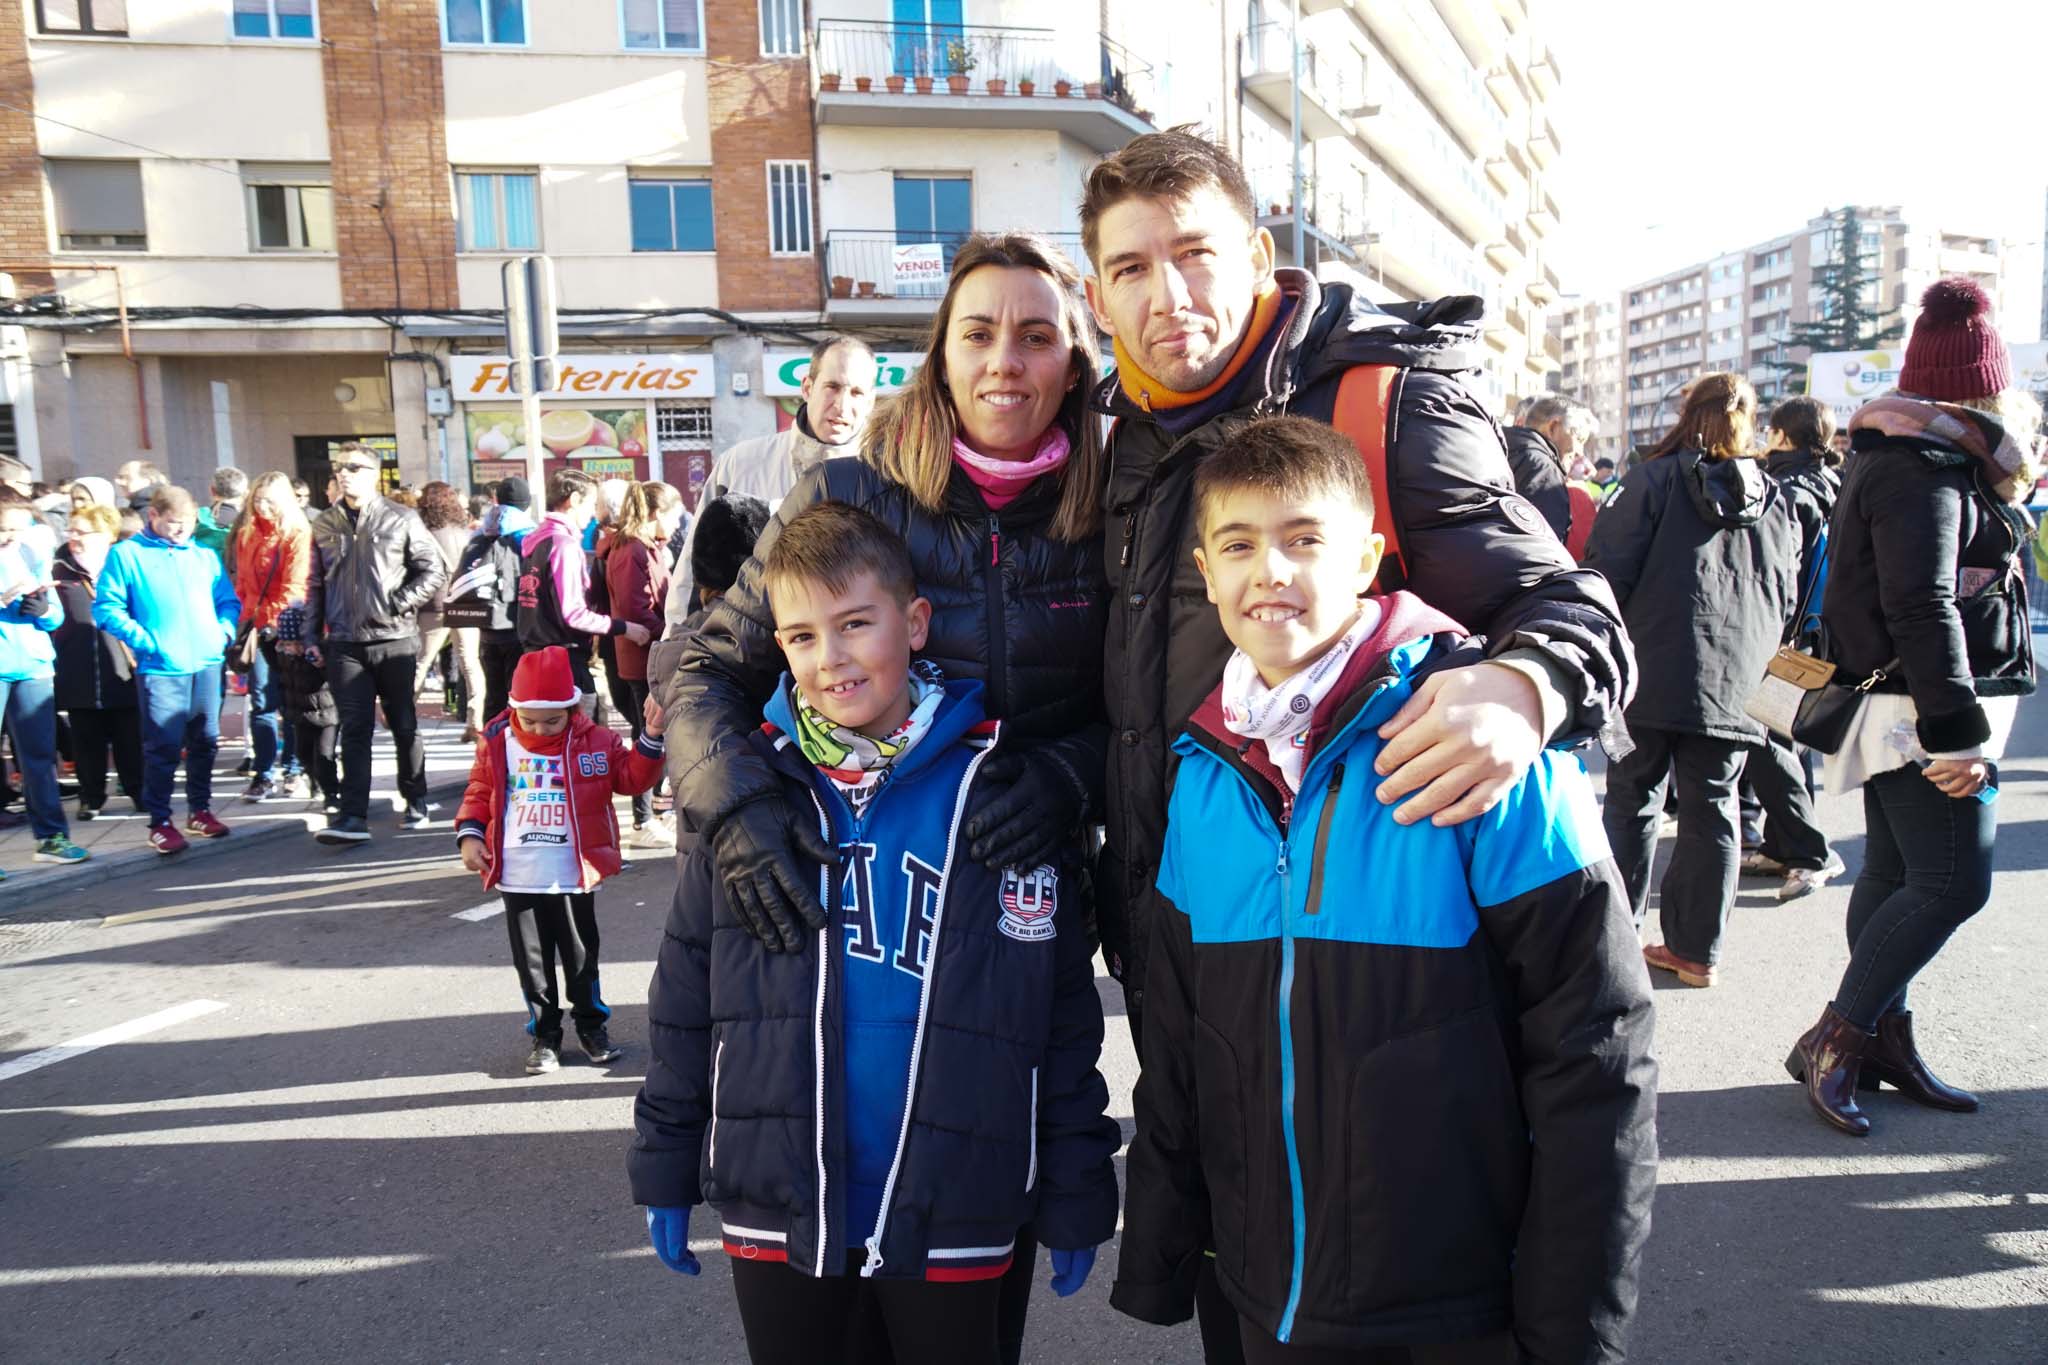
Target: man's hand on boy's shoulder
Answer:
pixel 1460 743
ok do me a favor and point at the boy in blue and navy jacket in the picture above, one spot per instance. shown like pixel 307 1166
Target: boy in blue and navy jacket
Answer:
pixel 879 1115
pixel 1396 1077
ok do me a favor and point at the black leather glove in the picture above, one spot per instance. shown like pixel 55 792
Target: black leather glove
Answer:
pixel 768 857
pixel 1024 805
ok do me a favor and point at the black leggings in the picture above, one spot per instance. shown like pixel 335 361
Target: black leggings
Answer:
pixel 1926 869
pixel 634 704
pixel 793 1319
pixel 93 732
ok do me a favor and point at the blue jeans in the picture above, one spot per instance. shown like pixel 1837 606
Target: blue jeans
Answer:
pixel 1926 870
pixel 180 714
pixel 266 707
pixel 30 708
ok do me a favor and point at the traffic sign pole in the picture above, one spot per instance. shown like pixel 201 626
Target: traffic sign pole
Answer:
pixel 532 337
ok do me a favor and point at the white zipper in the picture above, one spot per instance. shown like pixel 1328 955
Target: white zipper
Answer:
pixel 575 826
pixel 1030 1171
pixel 818 1036
pixel 716 1058
pixel 924 1000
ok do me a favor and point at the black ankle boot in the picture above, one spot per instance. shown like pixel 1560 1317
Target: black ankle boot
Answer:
pixel 1895 1060
pixel 1826 1061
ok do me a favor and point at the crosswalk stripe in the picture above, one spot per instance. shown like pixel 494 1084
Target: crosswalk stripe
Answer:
pixel 107 1037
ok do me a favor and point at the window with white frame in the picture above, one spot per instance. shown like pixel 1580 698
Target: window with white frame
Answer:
pixel 98 205
pixel 497 210
pixel 275 19
pixel 682 426
pixel 782 28
pixel 109 17
pixel 484 21
pixel 291 208
pixel 656 25
pixel 789 208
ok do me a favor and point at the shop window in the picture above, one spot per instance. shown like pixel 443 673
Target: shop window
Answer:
pixel 485 21
pixel 497 210
pixel 671 215
pixel 275 19
pixel 683 426
pixel 109 17
pixel 655 25
pixel 789 208
pixel 291 208
pixel 782 28
pixel 99 205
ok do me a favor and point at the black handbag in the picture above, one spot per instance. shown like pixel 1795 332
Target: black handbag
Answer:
pixel 1801 699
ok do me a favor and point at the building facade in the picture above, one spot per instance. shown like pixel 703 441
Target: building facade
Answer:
pixel 1736 311
pixel 288 229
pixel 1586 332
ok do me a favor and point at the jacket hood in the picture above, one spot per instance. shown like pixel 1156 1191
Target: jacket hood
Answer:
pixel 1727 493
pixel 1329 328
pixel 959 712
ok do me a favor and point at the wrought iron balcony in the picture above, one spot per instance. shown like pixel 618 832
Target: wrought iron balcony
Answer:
pixel 884 272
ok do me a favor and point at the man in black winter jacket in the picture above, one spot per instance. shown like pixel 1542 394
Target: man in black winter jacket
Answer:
pixel 1541 443
pixel 1208 335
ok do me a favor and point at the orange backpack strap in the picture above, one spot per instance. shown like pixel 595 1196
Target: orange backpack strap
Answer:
pixel 1365 413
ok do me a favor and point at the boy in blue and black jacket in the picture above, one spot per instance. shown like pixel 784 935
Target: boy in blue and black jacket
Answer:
pixel 880 1115
pixel 1396 1077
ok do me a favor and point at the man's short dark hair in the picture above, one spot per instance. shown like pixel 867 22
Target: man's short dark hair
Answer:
pixel 837 343
pixel 1807 422
pixel 229 484
pixel 834 542
pixel 1603 463
pixel 1294 458
pixel 1174 164
pixel 567 485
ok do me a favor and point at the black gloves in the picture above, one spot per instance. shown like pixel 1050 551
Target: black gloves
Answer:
pixel 768 857
pixel 1025 804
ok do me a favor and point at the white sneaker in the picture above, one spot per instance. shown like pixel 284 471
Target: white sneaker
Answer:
pixel 660 832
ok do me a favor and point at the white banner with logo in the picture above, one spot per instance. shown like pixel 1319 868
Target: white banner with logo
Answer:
pixel 1846 380
pixel 782 372
pixel 488 378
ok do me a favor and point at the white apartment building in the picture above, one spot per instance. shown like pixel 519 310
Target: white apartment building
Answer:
pixel 1587 334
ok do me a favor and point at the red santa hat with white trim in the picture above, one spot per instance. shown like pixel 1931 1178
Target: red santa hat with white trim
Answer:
pixel 543 682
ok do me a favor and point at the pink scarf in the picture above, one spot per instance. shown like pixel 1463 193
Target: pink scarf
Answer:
pixel 1000 481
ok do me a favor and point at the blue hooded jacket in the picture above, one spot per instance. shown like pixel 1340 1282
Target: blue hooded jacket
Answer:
pixel 170 603
pixel 25 649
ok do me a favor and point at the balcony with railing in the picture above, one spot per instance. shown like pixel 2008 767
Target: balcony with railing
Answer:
pixel 1330 90
pixel 1404 132
pixel 951 76
pixel 880 274
pixel 1414 33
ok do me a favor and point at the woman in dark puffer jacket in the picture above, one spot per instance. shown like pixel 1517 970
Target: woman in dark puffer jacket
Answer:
pixel 1928 595
pixel 1700 547
pixel 990 467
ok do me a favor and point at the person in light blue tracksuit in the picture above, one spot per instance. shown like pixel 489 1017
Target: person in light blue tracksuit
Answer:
pixel 169 599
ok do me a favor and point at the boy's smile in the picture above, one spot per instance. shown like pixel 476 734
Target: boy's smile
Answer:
pixel 1285 573
pixel 849 649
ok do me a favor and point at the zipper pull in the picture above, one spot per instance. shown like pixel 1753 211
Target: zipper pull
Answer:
pixel 874 1261
pixel 1130 530
pixel 995 533
pixel 1281 866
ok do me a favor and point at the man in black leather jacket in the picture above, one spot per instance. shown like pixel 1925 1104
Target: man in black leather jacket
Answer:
pixel 374 566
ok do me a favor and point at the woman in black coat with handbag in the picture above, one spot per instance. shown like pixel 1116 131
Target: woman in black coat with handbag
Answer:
pixel 1927 602
pixel 1700 547
pixel 95 684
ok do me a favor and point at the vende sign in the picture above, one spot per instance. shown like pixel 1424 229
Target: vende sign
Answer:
pixel 488 378
pixel 920 268
pixel 783 371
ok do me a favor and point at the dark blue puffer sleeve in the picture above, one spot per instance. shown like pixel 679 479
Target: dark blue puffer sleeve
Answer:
pixel 1077 1140
pixel 674 1103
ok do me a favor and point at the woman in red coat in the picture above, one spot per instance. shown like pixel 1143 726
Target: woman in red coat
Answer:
pixel 270 552
pixel 636 569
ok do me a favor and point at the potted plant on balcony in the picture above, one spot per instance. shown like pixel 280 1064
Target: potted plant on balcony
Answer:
pixel 894 83
pixel 1062 87
pixel 1092 90
pixel 921 70
pixel 1026 87
pixel 959 61
pixel 866 289
pixel 992 50
pixel 828 82
pixel 842 286
pixel 863 83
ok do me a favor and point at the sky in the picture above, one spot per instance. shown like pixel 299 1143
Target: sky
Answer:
pixel 1695 127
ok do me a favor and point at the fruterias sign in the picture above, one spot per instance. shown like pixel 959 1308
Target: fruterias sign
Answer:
pixel 488 378
pixel 783 371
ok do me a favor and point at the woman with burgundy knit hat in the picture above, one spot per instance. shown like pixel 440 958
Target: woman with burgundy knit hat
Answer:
pixel 1927 603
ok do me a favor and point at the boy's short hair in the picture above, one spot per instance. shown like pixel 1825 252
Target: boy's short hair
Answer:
pixel 169 500
pixel 566 485
pixel 831 543
pixel 1295 458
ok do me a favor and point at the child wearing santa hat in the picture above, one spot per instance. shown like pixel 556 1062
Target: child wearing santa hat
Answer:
pixel 537 823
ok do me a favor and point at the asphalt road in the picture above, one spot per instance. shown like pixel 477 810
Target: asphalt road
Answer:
pixel 319 1144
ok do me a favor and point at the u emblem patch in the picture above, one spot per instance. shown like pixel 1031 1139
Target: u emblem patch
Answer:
pixel 1028 900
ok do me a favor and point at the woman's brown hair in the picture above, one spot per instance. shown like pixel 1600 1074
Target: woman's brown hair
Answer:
pixel 642 506
pixel 1718 417
pixel 910 439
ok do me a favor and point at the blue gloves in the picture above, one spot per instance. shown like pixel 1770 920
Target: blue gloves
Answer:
pixel 669 1230
pixel 1070 1270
